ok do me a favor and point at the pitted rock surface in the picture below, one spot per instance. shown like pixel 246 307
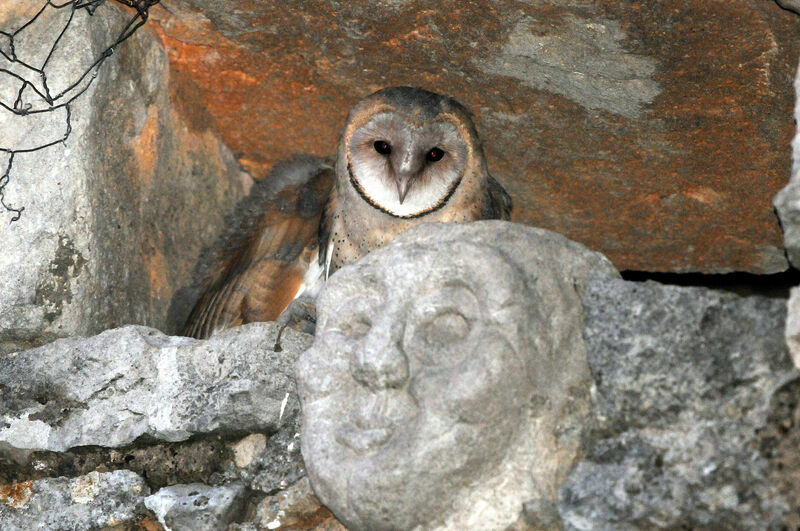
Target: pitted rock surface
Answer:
pixel 693 432
pixel 93 501
pixel 196 506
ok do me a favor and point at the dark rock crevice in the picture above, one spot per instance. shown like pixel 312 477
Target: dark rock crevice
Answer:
pixel 161 464
pixel 775 286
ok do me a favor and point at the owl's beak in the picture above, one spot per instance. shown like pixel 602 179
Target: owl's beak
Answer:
pixel 406 171
pixel 403 184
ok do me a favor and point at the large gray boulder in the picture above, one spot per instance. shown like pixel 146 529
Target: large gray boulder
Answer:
pixel 114 216
pixel 687 386
pixel 447 384
pixel 93 501
pixel 109 390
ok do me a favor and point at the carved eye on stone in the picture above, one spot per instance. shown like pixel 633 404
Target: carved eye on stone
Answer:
pixel 382 147
pixel 354 316
pixel 438 332
pixel 439 339
pixel 356 327
pixel 434 155
pixel 445 329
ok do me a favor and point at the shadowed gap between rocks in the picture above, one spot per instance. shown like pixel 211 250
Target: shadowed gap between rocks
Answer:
pixel 160 464
pixel 775 286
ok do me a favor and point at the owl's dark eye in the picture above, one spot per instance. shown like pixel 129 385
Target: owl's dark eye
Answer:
pixel 382 147
pixel 434 154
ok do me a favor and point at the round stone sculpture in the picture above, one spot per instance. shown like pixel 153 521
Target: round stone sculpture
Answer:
pixel 431 392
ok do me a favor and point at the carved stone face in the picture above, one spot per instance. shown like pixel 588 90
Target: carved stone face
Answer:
pixel 416 382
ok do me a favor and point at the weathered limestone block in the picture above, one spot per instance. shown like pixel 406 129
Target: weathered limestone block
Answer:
pixel 115 216
pixel 197 506
pixel 656 133
pixel 93 501
pixel 447 384
pixel 691 390
pixel 110 389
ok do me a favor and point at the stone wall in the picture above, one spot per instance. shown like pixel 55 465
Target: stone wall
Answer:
pixel 692 418
pixel 656 133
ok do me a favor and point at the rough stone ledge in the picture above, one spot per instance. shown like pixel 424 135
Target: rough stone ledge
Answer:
pixel 113 388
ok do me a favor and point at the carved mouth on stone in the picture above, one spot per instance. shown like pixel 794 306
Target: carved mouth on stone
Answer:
pixel 364 436
pixel 369 427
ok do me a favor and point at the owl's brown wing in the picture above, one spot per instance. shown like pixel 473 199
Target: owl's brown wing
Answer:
pixel 498 203
pixel 259 268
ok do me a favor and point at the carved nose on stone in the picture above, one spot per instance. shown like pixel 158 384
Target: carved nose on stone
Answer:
pixel 379 362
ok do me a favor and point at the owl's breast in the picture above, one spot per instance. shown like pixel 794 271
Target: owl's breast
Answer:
pixel 356 227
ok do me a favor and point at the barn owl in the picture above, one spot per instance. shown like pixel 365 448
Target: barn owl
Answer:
pixel 406 156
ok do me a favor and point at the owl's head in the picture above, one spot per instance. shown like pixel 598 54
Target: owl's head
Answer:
pixel 406 150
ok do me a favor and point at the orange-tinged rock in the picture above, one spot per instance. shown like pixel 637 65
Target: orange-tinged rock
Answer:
pixel 16 495
pixel 294 509
pixel 655 132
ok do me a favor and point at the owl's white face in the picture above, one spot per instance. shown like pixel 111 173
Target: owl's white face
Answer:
pixel 404 169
